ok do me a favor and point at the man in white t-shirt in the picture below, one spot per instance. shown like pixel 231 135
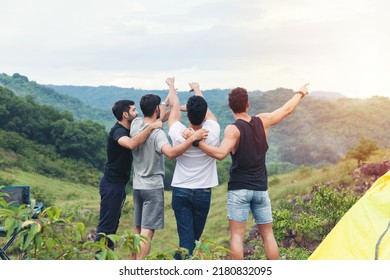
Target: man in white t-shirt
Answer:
pixel 195 172
pixel 149 170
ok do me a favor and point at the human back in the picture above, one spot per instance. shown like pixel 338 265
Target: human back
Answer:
pixel 148 161
pixel 194 168
pixel 248 169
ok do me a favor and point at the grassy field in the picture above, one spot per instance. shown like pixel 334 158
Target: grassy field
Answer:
pixel 84 199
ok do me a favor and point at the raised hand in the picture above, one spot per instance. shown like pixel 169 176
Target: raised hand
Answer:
pixel 194 86
pixel 303 90
pixel 170 81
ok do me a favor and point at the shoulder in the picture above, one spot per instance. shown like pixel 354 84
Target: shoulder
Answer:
pixel 175 130
pixel 136 121
pixel 212 124
pixel 176 126
pixel 136 126
pixel 257 120
pixel 159 134
pixel 159 139
pixel 117 131
pixel 232 129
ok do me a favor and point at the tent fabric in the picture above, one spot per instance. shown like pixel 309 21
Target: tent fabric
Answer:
pixel 363 233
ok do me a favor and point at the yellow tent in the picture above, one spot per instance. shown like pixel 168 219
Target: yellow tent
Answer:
pixel 363 233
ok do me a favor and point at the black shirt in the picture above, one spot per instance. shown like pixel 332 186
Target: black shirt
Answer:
pixel 248 170
pixel 119 159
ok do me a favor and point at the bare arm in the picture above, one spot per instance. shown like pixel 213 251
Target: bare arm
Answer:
pixel 173 152
pixel 270 119
pixel 140 138
pixel 175 114
pixel 164 114
pixel 228 144
pixel 196 89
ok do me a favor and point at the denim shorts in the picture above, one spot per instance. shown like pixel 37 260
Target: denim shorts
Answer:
pixel 239 202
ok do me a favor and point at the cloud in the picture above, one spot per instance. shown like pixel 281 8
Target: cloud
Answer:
pixel 260 44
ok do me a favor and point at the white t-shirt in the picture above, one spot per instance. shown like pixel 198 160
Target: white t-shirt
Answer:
pixel 194 169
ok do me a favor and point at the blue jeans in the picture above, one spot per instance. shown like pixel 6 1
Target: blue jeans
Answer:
pixel 191 207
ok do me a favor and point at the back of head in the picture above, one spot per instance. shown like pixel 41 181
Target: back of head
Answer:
pixel 196 109
pixel 238 100
pixel 148 104
pixel 121 106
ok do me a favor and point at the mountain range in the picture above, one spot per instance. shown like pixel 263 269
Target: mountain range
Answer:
pixel 320 131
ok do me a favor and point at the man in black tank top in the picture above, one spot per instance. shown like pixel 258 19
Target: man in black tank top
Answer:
pixel 246 141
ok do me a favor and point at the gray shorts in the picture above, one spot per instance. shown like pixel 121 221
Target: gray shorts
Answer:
pixel 149 208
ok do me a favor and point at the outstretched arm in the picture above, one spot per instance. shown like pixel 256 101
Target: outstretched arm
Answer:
pixel 140 138
pixel 270 119
pixel 228 144
pixel 164 113
pixel 196 89
pixel 173 99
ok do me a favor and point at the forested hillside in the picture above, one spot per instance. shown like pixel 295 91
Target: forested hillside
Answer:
pixel 62 157
pixel 24 123
pixel 21 86
pixel 103 96
pixel 319 132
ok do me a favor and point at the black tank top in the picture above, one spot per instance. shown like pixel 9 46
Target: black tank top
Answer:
pixel 248 170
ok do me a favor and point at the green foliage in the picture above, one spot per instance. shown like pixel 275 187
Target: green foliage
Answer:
pixel 305 172
pixel 204 250
pixel 4 181
pixel 45 95
pixel 208 250
pixel 60 235
pixel 55 236
pixel 25 154
pixel 166 251
pixel 306 221
pixel 363 150
pixel 296 253
pixel 223 168
pixel 273 180
pixel 80 140
pixel 277 167
pixel 317 133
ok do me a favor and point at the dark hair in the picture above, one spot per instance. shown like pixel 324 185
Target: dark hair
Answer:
pixel 121 106
pixel 196 109
pixel 238 99
pixel 148 104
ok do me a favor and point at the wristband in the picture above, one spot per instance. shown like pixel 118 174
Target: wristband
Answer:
pixel 301 93
pixel 196 143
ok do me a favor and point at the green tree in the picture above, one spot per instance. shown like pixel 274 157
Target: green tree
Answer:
pixel 363 150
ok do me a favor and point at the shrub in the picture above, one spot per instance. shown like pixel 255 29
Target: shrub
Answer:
pixel 305 222
pixel 57 234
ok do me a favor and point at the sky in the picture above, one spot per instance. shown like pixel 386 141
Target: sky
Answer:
pixel 335 45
